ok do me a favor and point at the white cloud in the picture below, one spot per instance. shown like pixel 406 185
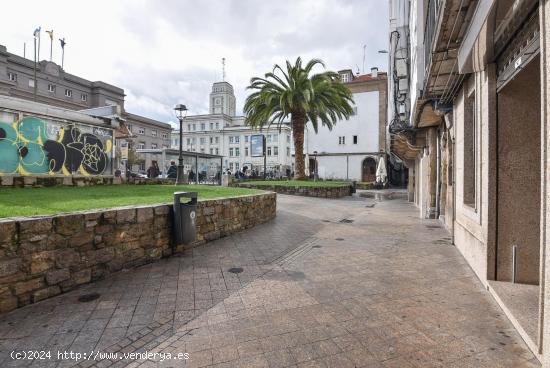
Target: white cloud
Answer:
pixel 164 52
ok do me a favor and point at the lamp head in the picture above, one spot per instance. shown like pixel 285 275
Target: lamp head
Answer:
pixel 181 111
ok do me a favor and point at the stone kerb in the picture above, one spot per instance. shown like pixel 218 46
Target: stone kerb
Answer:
pixel 44 256
pixel 305 190
pixel 33 181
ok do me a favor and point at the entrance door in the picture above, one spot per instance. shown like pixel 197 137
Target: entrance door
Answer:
pixel 369 170
pixel 519 176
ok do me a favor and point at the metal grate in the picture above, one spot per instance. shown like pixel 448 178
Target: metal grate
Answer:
pixel 86 298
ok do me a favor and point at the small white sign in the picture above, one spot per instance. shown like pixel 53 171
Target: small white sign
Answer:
pixel 517 63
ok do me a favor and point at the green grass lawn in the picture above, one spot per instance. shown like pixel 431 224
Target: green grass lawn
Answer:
pixel 302 183
pixel 52 200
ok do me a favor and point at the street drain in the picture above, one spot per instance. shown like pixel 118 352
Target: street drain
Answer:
pixel 433 226
pixel 370 205
pixel 326 220
pixel 316 246
pixel 86 298
pixel 339 239
pixel 235 270
pixel 346 221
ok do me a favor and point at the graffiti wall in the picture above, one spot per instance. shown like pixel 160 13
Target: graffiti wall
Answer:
pixel 32 146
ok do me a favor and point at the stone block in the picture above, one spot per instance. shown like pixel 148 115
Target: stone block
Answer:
pixel 7 232
pixel 82 276
pixel 35 226
pixel 56 276
pixel 65 258
pixel 162 210
pixel 8 302
pixel 9 266
pixel 82 238
pixel 56 241
pixel 28 286
pixel 145 214
pixel 7 180
pixel 126 216
pixel 45 293
pixel 69 224
pixel 42 261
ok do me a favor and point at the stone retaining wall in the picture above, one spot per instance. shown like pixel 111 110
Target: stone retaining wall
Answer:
pixel 77 181
pixel 365 186
pixel 306 191
pixel 44 256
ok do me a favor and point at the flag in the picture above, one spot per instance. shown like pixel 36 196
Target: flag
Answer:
pixel 62 40
pixel 36 32
pixel 51 34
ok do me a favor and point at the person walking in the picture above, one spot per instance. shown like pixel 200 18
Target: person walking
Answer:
pixel 172 172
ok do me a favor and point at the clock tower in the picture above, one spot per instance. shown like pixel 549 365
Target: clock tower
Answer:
pixel 222 99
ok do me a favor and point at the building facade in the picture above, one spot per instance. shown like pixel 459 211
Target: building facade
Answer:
pixel 54 86
pixel 476 141
pixel 353 148
pixel 223 133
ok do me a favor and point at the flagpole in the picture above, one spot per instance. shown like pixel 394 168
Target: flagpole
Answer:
pixel 35 68
pixel 39 45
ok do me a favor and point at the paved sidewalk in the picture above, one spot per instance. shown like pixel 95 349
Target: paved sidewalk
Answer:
pixel 329 283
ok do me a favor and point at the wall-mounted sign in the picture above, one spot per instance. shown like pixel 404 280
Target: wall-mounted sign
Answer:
pixel 257 145
pixel 124 153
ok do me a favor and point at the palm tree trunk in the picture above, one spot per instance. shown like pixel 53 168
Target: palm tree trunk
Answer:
pixel 298 120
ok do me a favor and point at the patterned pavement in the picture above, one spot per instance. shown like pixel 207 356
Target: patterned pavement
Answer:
pixel 329 283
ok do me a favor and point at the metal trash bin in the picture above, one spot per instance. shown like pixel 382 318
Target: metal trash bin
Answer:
pixel 185 230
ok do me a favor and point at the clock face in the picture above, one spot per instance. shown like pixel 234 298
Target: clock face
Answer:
pixel 218 101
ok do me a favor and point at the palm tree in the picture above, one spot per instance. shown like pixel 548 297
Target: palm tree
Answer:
pixel 319 97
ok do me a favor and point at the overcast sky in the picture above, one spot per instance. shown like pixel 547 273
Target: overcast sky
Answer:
pixel 164 52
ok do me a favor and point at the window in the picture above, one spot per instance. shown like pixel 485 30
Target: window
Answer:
pixel 231 152
pixel 211 150
pixel 217 140
pixel 268 138
pixel 203 140
pixel 130 127
pixel 203 127
pixel 12 77
pixel 275 151
pixel 287 139
pixel 288 151
pixel 164 135
pixel 141 145
pixel 354 139
pixel 141 130
pixel 202 150
pixel 217 125
pixel 236 166
pixel 83 97
pixel 246 139
pixel 154 146
pixel 275 138
pixel 231 139
pixel 341 140
pixel 269 151
pixel 68 93
pixel 217 151
pixel 237 139
pixel 31 83
pixel 237 152
pixel 211 126
pixel 188 127
pixel 142 166
pixel 188 141
pixel 469 188
pixel 51 88
pixel 345 77
pixel 246 151
pixel 211 140
pixel 154 133
pixel 354 110
pixel 194 127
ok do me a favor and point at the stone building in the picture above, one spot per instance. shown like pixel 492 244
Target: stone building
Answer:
pixel 476 142
pixel 353 148
pixel 223 133
pixel 54 86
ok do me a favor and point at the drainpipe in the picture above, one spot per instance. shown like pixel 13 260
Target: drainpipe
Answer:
pixel 438 173
pixel 347 167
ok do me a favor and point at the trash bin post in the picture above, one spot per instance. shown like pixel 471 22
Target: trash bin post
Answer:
pixel 185 230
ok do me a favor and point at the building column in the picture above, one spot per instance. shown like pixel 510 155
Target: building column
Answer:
pixel 432 173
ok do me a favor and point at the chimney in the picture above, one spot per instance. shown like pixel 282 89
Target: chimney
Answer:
pixel 374 72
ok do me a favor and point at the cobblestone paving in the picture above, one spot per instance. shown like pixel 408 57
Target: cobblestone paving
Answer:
pixel 329 283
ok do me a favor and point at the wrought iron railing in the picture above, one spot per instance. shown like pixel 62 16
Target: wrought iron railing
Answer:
pixel 429 31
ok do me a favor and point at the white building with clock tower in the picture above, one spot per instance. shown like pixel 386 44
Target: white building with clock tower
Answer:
pixel 222 132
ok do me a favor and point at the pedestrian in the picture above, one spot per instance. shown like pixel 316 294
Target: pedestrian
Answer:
pixel 153 171
pixel 172 172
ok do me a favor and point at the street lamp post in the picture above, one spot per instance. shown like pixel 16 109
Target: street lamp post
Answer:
pixel 181 112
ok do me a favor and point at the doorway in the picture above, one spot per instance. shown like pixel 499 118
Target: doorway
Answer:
pixel 369 170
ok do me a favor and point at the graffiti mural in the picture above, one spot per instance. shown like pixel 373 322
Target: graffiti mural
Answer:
pixel 33 146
